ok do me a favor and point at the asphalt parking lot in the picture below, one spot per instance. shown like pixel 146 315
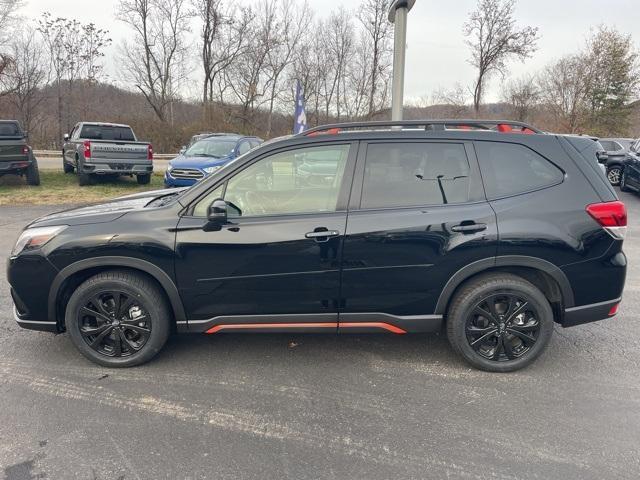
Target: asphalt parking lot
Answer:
pixel 312 406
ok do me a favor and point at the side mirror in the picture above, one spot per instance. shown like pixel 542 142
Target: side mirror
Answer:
pixel 183 149
pixel 66 137
pixel 602 157
pixel 25 135
pixel 217 212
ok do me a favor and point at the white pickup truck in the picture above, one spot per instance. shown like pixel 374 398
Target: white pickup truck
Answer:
pixel 106 149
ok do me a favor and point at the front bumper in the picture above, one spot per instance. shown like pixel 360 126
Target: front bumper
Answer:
pixel 169 181
pixel 30 277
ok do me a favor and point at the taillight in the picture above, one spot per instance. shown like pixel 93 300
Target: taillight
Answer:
pixel 614 310
pixel 150 152
pixel 87 149
pixel 25 150
pixel 612 216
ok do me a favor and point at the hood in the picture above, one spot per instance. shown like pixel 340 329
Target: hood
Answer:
pixel 198 162
pixel 102 212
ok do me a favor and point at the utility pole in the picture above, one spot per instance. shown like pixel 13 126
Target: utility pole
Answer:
pixel 398 16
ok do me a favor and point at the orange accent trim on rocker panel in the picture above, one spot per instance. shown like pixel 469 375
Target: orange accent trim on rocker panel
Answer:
pixel 257 326
pixel 384 326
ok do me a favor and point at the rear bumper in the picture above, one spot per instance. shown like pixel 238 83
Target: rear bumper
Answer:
pixel 10 166
pixel 589 313
pixel 99 167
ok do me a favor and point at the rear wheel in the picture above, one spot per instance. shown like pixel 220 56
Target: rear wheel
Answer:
pixel 614 174
pixel 499 323
pixel 33 173
pixel 118 319
pixel 143 179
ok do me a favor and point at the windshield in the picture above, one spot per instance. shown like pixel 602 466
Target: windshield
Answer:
pixel 215 148
pixel 10 129
pixel 101 132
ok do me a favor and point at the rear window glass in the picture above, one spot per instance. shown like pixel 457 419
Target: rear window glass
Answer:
pixel 10 129
pixel 100 132
pixel 511 169
pixel 610 146
pixel 414 174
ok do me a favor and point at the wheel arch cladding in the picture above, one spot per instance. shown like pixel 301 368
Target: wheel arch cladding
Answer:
pixel 547 277
pixel 73 275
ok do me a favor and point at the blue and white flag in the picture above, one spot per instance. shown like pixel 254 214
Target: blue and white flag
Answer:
pixel 300 117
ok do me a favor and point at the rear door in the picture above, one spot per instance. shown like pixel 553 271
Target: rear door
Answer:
pixel 417 215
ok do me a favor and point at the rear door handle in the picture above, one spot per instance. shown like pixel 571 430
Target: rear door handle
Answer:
pixel 322 235
pixel 469 228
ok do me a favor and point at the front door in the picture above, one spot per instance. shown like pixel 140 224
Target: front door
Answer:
pixel 417 216
pixel 275 264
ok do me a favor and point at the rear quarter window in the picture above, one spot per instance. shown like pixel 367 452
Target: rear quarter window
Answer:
pixel 511 169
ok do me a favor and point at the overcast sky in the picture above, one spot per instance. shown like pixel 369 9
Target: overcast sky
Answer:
pixel 436 55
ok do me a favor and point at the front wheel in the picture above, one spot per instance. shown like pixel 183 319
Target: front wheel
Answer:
pixel 614 174
pixel 499 323
pixel 118 319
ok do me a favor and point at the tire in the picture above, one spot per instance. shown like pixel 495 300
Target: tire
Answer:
pixel 140 337
pixel 623 183
pixel 536 323
pixel 33 173
pixel 614 173
pixel 66 167
pixel 143 179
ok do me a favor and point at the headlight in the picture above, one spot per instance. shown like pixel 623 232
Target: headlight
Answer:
pixel 33 238
pixel 169 167
pixel 210 170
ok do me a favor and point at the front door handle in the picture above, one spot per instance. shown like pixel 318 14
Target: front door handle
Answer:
pixel 322 234
pixel 469 227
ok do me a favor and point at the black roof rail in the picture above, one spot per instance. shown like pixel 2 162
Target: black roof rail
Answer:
pixel 504 126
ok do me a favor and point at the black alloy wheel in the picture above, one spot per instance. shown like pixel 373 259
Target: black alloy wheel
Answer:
pixel 499 322
pixel 114 324
pixel 503 327
pixel 119 318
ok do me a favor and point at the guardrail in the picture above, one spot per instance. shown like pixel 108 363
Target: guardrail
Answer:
pixel 58 154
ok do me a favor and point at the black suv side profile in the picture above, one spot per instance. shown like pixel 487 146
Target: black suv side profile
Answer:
pixel 492 230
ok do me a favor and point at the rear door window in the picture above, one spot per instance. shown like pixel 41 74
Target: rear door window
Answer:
pixel 106 132
pixel 511 169
pixel 415 174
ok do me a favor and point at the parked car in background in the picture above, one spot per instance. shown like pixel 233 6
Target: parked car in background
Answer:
pixel 630 179
pixel 591 150
pixel 397 227
pixel 16 156
pixel 94 148
pixel 617 151
pixel 206 156
pixel 197 138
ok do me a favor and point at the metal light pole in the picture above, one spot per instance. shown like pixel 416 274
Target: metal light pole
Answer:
pixel 398 16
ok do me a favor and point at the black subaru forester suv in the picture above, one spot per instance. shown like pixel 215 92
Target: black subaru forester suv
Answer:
pixel 492 230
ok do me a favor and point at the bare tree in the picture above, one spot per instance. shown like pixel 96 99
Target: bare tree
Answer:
pixel 154 59
pixel 8 11
pixel 522 95
pixel 564 87
pixel 224 37
pixel 93 42
pixel 494 39
pixel 340 45
pixel 28 77
pixel 288 22
pixel 454 101
pixel 372 14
